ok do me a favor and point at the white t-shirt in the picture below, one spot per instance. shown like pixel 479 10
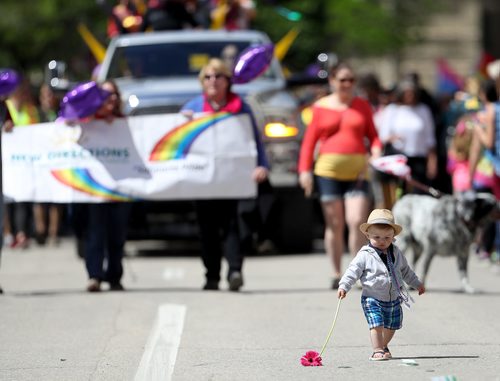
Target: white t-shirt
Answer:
pixel 412 125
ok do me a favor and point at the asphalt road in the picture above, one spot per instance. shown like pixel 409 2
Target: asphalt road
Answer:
pixel 164 327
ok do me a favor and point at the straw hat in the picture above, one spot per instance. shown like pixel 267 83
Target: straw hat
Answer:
pixel 381 216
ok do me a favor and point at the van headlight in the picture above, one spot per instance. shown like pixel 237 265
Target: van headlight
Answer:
pixel 280 130
pixel 133 101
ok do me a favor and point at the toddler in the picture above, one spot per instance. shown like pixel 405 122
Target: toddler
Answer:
pixel 381 268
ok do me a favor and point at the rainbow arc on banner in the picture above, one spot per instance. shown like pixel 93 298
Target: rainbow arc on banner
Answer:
pixel 177 142
pixel 81 180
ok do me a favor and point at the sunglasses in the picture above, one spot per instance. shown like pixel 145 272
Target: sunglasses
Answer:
pixel 216 76
pixel 342 80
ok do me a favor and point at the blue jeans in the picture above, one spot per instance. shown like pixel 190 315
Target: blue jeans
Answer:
pixel 105 237
pixel 333 189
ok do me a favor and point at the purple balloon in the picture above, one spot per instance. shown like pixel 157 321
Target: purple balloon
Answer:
pixel 252 62
pixel 9 79
pixel 84 100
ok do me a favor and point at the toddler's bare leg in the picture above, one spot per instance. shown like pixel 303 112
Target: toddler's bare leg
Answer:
pixel 377 338
pixel 388 335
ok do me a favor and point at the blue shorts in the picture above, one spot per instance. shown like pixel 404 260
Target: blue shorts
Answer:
pixel 379 313
pixel 332 189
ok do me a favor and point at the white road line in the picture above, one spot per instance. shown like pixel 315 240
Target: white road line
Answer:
pixel 173 273
pixel 160 354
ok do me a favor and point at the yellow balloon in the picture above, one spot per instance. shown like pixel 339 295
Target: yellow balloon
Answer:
pixel 94 45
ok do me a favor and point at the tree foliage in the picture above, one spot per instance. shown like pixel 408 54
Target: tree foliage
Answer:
pixel 347 27
pixel 34 32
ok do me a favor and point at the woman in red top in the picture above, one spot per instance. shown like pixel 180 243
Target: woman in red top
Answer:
pixel 343 125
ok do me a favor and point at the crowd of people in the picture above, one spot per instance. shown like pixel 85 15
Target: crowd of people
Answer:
pixel 102 248
pixel 24 109
pixel 128 16
pixel 451 144
pixel 354 123
pixel 102 227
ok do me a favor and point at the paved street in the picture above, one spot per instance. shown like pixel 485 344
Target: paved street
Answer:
pixel 164 327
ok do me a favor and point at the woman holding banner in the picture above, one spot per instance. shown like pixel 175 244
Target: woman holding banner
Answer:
pixel 218 219
pixel 107 222
pixel 103 224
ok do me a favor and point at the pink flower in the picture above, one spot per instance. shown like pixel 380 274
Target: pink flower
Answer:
pixel 311 358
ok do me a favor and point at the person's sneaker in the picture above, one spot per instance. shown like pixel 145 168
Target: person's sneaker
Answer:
pixel 53 241
pixel 495 256
pixel 211 285
pixel 335 283
pixel 235 280
pixel 483 254
pixel 8 240
pixel 41 239
pixel 94 285
pixel 21 242
pixel 266 247
pixel 116 287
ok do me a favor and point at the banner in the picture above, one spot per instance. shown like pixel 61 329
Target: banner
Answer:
pixel 154 157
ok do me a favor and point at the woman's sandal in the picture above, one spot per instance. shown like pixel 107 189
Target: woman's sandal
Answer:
pixel 378 356
pixel 387 353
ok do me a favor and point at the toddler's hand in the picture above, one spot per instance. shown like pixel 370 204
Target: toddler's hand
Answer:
pixel 341 293
pixel 421 289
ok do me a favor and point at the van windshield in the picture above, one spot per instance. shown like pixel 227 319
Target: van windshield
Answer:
pixel 180 59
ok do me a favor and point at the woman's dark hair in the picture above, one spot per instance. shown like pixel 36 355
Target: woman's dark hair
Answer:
pixel 404 86
pixel 117 110
pixel 370 82
pixel 489 89
pixel 336 68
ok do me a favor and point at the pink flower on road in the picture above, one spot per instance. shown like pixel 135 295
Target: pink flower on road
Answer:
pixel 311 358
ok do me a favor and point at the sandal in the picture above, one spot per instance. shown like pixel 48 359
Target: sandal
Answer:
pixel 387 353
pixel 378 356
pixel 21 241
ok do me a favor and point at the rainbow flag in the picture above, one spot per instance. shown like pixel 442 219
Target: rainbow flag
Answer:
pixel 448 81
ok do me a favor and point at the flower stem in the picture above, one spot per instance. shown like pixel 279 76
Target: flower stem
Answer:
pixel 331 328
